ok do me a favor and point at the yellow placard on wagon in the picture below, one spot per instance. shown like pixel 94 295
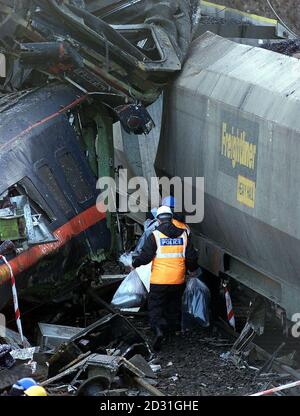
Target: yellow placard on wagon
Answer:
pixel 246 191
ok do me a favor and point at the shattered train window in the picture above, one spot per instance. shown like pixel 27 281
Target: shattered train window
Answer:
pixel 75 177
pixel 28 188
pixel 22 220
pixel 48 178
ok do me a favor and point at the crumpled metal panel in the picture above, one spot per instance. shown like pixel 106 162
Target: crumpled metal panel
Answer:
pixel 177 17
pixel 130 59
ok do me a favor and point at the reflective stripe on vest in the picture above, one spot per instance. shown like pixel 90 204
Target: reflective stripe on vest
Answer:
pixel 168 266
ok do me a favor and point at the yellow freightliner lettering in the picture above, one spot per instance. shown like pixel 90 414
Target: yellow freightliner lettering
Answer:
pixel 236 148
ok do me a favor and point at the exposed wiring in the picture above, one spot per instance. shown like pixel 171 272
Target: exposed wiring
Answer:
pixel 107 94
pixel 281 20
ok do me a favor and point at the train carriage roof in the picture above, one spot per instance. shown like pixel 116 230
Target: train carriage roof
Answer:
pixel 21 112
pixel 255 80
pixel 26 128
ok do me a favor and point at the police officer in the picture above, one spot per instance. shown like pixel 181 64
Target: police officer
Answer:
pixel 172 254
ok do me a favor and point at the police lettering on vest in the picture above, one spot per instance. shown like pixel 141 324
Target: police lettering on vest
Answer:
pixel 168 266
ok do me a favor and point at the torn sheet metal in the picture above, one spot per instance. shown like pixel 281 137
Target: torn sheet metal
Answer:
pixel 14 340
pixel 139 362
pixel 111 333
pixel 99 374
pixel 52 336
pixel 108 361
pixel 127 52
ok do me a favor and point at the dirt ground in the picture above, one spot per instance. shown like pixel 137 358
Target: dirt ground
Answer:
pixel 288 10
pixel 191 365
pixel 198 370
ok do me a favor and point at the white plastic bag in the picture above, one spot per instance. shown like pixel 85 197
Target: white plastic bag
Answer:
pixel 196 303
pixel 144 273
pixel 131 293
pixel 126 259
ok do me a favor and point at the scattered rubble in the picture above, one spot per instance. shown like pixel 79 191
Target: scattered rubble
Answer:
pixel 286 47
pixel 107 358
pixel 6 359
pixel 113 357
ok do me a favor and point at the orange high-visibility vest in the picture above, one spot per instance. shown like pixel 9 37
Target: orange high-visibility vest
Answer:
pixel 168 266
pixel 181 225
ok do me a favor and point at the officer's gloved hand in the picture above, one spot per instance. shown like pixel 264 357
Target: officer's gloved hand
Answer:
pixel 126 259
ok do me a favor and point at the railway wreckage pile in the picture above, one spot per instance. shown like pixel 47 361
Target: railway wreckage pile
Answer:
pixel 69 71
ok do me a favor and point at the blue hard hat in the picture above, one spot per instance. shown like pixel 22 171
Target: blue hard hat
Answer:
pixel 169 201
pixel 26 383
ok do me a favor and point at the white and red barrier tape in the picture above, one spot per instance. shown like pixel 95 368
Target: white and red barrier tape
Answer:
pixel 15 299
pixel 279 388
pixel 229 307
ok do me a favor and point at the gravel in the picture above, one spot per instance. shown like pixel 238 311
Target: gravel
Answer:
pixel 198 369
pixel 219 21
pixel 288 47
pixel 191 365
pixel 288 10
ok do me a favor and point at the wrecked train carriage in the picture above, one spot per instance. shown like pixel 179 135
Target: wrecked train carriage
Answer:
pixel 44 136
pixel 48 189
